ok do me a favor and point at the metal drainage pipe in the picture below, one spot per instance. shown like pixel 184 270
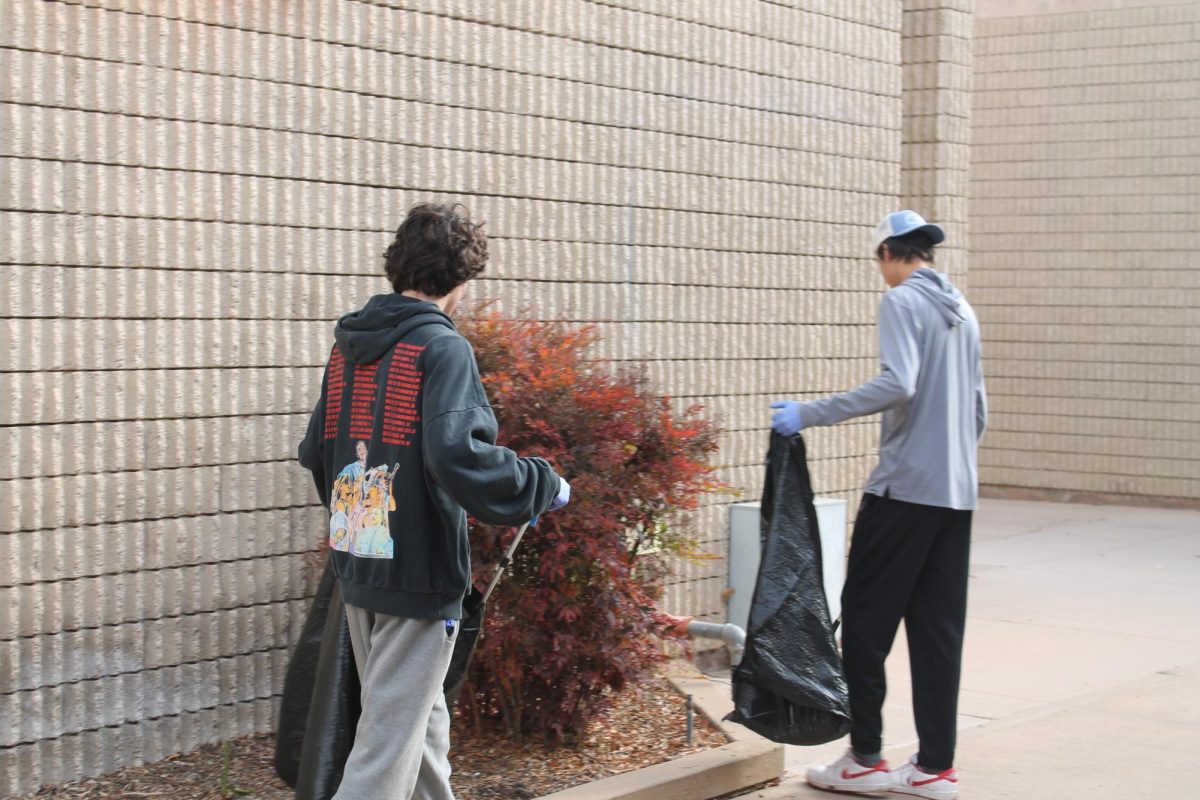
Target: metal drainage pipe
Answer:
pixel 732 635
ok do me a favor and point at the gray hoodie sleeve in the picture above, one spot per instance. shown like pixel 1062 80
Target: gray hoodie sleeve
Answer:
pixel 492 483
pixel 981 407
pixel 896 383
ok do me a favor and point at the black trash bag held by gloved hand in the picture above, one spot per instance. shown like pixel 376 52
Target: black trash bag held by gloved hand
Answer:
pixel 789 686
pixel 321 702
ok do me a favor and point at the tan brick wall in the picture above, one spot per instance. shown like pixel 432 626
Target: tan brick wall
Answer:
pixel 935 160
pixel 194 191
pixel 1084 201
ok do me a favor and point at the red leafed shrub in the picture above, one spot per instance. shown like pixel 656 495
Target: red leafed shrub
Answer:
pixel 576 611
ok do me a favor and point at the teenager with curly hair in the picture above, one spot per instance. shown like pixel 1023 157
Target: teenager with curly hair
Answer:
pixel 404 433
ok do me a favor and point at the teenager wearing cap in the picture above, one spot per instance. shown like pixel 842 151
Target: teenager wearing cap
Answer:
pixel 909 552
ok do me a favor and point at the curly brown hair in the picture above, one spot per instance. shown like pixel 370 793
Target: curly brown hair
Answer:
pixel 437 249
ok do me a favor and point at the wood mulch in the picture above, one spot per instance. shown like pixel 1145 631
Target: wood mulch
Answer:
pixel 646 725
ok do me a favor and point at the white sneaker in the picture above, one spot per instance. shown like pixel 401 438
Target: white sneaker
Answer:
pixel 912 780
pixel 847 775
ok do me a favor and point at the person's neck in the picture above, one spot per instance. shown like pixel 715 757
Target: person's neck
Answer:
pixel 910 269
pixel 441 302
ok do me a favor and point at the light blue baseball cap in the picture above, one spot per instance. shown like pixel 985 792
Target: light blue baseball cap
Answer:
pixel 899 223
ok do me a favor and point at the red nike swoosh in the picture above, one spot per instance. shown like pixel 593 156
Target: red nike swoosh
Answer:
pixel 847 775
pixel 936 778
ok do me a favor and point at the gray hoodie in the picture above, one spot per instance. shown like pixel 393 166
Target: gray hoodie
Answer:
pixel 930 390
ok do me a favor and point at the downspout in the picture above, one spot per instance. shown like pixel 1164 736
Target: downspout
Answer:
pixel 732 635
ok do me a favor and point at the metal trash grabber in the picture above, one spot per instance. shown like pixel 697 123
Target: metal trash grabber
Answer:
pixel 506 560
pixel 472 622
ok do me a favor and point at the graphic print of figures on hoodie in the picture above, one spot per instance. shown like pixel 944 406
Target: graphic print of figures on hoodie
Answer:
pixel 360 501
pixel 402 446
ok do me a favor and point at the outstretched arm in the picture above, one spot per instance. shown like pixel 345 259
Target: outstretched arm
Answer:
pixel 896 383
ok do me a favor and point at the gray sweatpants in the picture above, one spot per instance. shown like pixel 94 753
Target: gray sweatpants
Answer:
pixel 401 748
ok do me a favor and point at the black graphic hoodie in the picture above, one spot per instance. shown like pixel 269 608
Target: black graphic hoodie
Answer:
pixel 402 446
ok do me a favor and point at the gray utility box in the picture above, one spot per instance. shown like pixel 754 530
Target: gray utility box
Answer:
pixel 745 550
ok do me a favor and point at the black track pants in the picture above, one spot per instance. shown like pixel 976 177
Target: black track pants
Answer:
pixel 907 561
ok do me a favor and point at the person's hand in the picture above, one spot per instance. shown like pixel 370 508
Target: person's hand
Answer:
pixel 564 495
pixel 786 421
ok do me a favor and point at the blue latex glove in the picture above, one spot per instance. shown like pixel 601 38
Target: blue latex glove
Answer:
pixel 564 494
pixel 786 421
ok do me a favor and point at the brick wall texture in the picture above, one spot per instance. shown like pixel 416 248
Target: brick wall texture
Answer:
pixel 935 149
pixel 1084 200
pixel 194 191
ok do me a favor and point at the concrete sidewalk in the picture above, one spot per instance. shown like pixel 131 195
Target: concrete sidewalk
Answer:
pixel 1081 671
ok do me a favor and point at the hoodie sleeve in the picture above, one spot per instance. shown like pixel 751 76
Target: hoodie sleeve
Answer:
pixel 981 407
pixel 492 483
pixel 312 447
pixel 896 383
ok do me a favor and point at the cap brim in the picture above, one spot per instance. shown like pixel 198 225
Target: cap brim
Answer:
pixel 935 234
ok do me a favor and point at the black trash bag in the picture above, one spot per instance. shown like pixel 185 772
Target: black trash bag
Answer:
pixel 298 683
pixel 464 646
pixel 789 686
pixel 474 607
pixel 321 700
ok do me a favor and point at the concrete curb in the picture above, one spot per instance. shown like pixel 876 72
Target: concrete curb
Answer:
pixel 746 761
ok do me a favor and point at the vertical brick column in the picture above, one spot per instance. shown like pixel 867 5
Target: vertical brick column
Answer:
pixel 936 54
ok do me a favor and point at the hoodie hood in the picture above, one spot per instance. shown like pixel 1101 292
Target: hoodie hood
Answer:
pixel 366 335
pixel 946 297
